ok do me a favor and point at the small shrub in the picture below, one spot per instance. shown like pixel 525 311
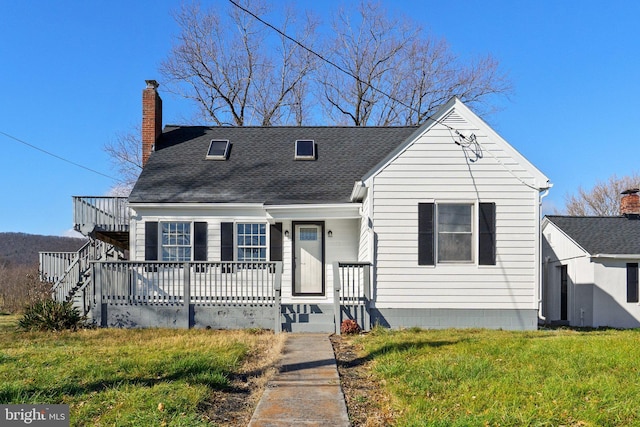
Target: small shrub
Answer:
pixel 349 327
pixel 51 315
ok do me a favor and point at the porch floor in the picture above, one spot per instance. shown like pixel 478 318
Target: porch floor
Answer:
pixel 307 389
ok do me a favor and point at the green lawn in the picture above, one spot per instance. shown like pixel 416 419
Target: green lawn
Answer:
pixel 500 378
pixel 123 377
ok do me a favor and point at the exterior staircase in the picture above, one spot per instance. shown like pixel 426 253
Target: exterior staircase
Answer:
pixel 105 221
pixel 69 273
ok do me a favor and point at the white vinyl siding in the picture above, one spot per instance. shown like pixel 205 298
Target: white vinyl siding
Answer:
pixel 434 169
pixel 342 246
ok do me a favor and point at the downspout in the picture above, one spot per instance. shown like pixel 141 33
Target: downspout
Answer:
pixel 542 278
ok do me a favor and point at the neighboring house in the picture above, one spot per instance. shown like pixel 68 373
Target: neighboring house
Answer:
pixel 299 227
pixel 591 268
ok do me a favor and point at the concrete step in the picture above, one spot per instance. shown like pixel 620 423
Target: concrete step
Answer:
pixel 307 318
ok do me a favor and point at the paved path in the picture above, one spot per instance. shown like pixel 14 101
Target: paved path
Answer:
pixel 306 391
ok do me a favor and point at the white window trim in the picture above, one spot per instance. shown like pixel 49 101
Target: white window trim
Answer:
pixel 235 240
pixel 474 231
pixel 224 156
pixel 309 157
pixel 161 244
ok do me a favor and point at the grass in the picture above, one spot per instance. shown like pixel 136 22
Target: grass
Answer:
pixel 127 377
pixel 500 378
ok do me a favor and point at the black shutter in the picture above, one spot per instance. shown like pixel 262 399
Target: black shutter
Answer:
pixel 425 234
pixel 226 241
pixel 487 230
pixel 632 282
pixel 275 242
pixel 200 241
pixel 150 241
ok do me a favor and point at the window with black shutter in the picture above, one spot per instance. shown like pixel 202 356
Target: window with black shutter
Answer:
pixel 446 233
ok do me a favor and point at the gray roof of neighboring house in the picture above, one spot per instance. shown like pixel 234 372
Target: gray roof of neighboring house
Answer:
pixel 261 166
pixel 602 235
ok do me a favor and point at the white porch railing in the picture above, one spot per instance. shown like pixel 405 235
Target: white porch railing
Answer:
pixel 199 283
pixel 352 293
pixel 106 213
pixel 67 271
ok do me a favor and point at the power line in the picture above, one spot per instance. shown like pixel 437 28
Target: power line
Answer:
pixel 58 157
pixel 470 140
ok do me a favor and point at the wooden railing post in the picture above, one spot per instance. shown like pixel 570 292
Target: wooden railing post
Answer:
pixel 187 291
pixel 367 297
pixel 336 296
pixel 277 288
pixel 101 308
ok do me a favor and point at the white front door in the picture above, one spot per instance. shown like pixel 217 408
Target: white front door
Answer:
pixel 309 259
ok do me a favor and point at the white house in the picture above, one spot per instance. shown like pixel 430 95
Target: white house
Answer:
pixel 591 268
pixel 433 226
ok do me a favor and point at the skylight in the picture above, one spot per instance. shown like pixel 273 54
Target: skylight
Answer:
pixel 305 149
pixel 218 149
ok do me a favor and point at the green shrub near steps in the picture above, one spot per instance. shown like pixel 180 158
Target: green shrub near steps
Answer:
pixel 51 315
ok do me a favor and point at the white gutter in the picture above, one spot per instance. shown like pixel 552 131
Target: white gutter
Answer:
pixel 634 257
pixel 358 192
pixel 198 205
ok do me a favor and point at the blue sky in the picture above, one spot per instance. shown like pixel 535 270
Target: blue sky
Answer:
pixel 72 73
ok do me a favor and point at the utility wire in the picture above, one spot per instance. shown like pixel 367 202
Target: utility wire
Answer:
pixel 470 140
pixel 58 157
pixel 333 64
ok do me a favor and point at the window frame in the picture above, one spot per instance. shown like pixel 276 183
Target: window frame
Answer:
pixel 236 240
pixel 162 245
pixel 473 233
pixel 224 155
pixel 311 156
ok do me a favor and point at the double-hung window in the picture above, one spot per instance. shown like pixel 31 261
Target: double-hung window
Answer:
pixel 251 242
pixel 176 241
pixel 456 233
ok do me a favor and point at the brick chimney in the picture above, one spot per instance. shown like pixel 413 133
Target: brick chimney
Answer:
pixel 151 118
pixel 630 202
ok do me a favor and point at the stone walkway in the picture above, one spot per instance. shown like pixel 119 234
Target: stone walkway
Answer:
pixel 306 391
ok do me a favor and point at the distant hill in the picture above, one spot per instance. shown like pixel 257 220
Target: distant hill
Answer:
pixel 22 248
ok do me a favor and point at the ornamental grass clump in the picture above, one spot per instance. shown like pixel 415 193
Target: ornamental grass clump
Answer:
pixel 51 315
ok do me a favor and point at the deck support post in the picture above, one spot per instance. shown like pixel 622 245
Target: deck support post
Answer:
pixel 277 303
pixel 187 293
pixel 336 296
pixel 366 315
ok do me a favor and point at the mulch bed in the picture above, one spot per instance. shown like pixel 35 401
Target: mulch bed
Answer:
pixel 366 404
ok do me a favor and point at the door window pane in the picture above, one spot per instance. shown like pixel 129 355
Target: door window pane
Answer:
pixel 308 234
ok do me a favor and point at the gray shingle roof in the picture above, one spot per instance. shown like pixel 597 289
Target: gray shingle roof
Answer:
pixel 602 235
pixel 261 166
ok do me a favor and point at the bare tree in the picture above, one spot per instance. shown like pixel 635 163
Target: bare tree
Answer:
pixel 603 199
pixel 225 64
pixel 126 159
pixel 397 75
